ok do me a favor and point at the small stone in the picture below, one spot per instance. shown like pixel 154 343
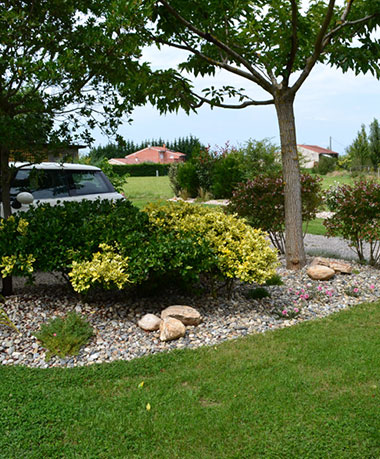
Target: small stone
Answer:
pixel 149 322
pixel 171 328
pixel 186 314
pixel 319 272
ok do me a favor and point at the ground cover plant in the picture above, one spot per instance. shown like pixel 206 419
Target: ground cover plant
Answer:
pixel 303 392
pixel 64 336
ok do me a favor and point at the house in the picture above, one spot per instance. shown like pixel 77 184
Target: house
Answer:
pixel 312 153
pixel 68 154
pixel 161 155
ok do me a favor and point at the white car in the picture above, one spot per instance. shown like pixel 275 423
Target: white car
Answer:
pixel 55 182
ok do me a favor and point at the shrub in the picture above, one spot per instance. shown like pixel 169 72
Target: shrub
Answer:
pixel 325 165
pixel 141 170
pixel 64 336
pixel 260 157
pixel 357 216
pixel 261 202
pixel 173 178
pixel 240 252
pixel 107 269
pixel 53 236
pixel 274 280
pixel 227 173
pixel 187 178
pixel 258 293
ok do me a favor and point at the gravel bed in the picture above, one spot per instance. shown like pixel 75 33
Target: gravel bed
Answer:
pixel 114 316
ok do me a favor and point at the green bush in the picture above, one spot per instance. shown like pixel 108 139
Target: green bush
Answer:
pixel 258 293
pixel 227 173
pixel 187 178
pixel 357 216
pixel 99 244
pixel 141 170
pixel 261 202
pixel 238 251
pixel 64 336
pixel 325 165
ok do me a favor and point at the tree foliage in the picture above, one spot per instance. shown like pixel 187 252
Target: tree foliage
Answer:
pixel 364 152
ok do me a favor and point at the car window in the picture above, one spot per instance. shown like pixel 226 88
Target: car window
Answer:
pixel 88 182
pixel 43 184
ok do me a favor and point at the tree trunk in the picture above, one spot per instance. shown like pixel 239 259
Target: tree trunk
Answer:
pixel 6 202
pixel 294 247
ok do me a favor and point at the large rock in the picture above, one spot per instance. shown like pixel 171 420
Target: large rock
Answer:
pixel 171 328
pixel 186 314
pixel 338 266
pixel 149 322
pixel 319 272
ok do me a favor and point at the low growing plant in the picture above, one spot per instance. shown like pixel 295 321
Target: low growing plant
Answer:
pixel 64 336
pixel 258 293
pixel 274 280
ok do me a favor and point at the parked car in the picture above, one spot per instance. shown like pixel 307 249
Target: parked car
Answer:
pixel 55 182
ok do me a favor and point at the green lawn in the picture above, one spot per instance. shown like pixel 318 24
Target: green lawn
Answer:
pixel 309 391
pixel 141 190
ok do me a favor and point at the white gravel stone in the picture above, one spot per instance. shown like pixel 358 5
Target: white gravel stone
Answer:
pixel 114 315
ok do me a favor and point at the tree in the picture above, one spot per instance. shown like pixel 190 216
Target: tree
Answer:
pixel 274 44
pixel 374 143
pixel 359 151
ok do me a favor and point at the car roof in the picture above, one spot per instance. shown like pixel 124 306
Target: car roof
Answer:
pixel 54 166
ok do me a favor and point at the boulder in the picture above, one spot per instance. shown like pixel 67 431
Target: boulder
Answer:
pixel 319 272
pixel 171 328
pixel 149 322
pixel 338 266
pixel 186 314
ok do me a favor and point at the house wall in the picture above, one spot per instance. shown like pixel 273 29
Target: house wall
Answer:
pixel 310 157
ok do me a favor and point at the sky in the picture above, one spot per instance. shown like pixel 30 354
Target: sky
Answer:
pixel 329 107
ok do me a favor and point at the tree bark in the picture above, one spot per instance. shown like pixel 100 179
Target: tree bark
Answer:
pixel 294 246
pixel 6 203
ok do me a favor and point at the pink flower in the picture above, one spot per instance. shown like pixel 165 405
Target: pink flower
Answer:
pixel 302 290
pixel 306 296
pixel 319 288
pixel 356 290
pixel 296 310
pixel 54 334
pixel 372 286
pixel 302 297
pixel 284 312
pixel 290 290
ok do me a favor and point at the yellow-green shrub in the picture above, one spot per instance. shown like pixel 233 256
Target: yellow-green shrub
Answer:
pixel 107 269
pixel 241 251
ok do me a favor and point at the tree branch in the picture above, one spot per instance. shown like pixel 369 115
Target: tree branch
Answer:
pixel 248 103
pixel 318 47
pixel 294 48
pixel 208 59
pixel 333 32
pixel 257 78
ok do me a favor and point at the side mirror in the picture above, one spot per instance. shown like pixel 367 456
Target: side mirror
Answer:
pixel 25 198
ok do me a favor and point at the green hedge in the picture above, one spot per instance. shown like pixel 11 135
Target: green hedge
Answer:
pixel 141 170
